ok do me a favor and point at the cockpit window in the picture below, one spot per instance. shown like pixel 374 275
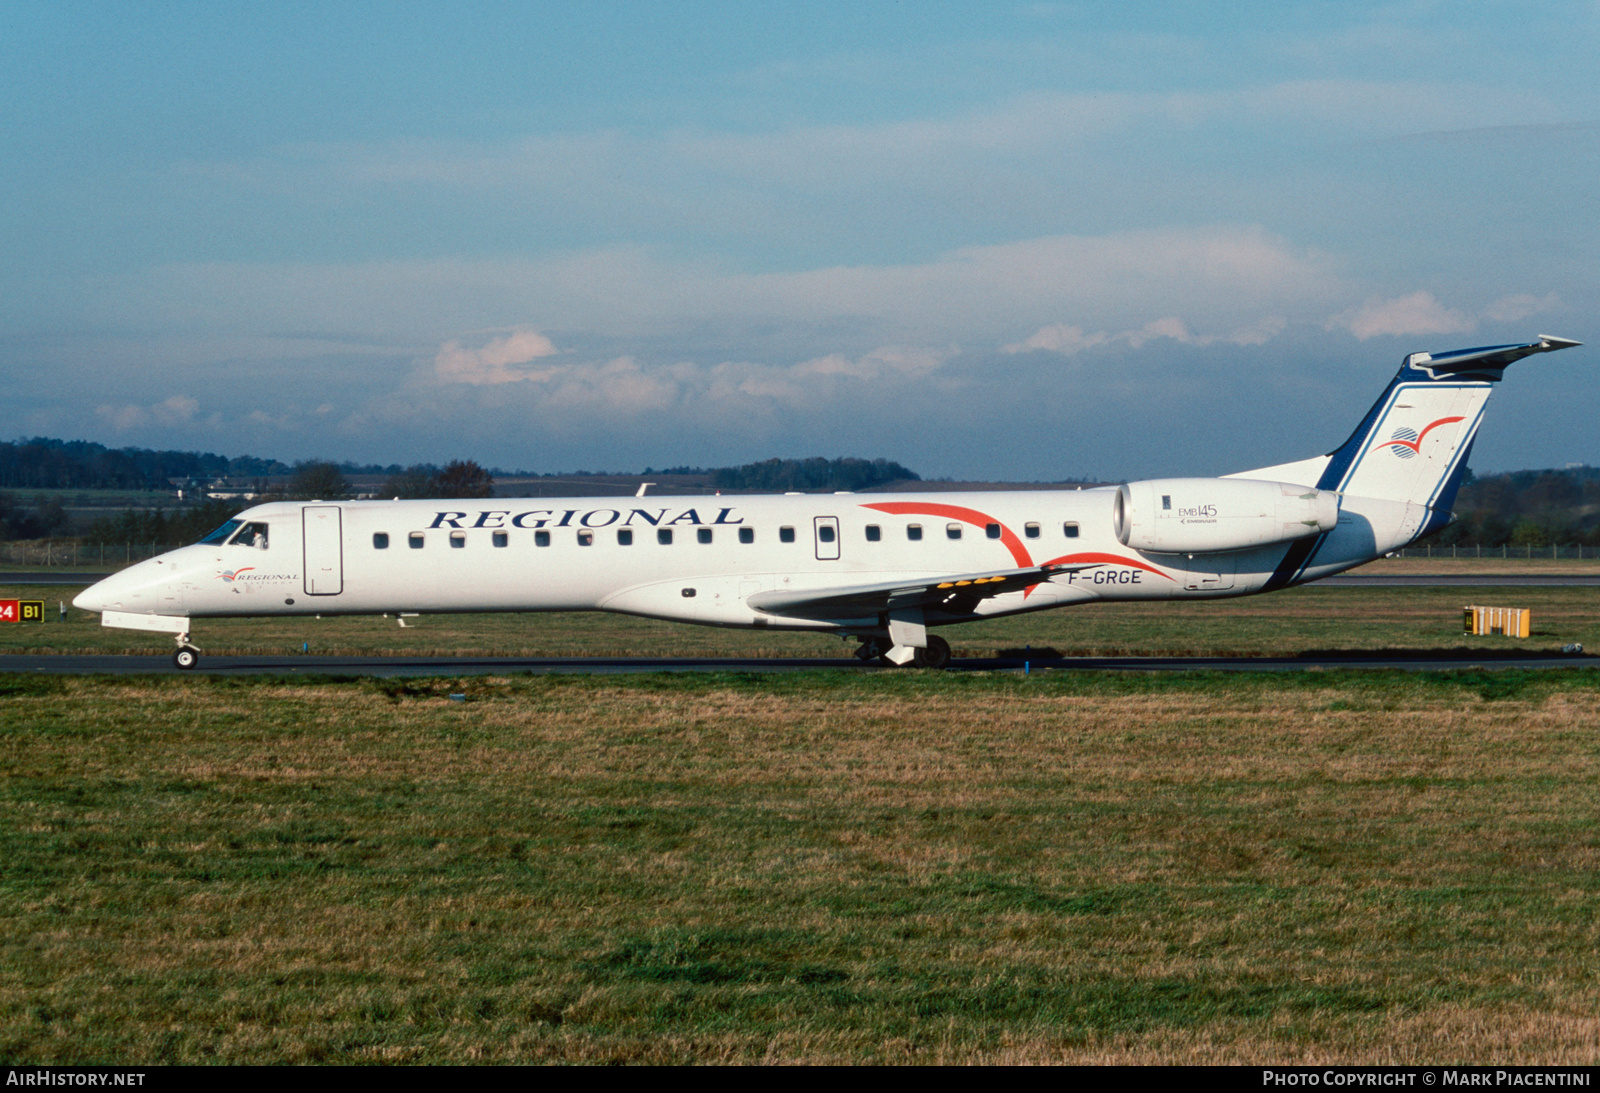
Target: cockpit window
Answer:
pixel 222 533
pixel 251 535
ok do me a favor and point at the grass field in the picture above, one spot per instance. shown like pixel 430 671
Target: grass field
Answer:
pixel 1297 620
pixel 814 867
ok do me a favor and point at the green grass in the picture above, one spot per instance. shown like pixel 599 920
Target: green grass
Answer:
pixel 1361 867
pixel 1297 620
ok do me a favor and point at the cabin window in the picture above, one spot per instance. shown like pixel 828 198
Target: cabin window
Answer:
pixel 380 540
pixel 458 539
pixel 914 532
pixel 415 540
pixel 703 534
pixel 874 533
pixel 1070 529
pixel 747 535
pixel 541 538
pixel 786 535
pixel 825 533
pixel 586 538
pixel 1031 530
pixel 952 531
pixel 1166 502
pixel 624 536
pixel 500 539
pixel 688 593
pixel 664 536
pixel 992 530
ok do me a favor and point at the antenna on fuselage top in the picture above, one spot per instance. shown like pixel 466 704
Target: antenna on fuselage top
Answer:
pixel 642 487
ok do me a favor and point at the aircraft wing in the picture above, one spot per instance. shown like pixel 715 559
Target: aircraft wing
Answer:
pixel 955 594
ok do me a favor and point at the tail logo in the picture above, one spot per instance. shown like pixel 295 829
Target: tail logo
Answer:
pixel 1406 443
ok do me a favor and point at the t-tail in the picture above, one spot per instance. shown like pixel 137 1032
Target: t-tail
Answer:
pixel 1414 442
pixel 1398 474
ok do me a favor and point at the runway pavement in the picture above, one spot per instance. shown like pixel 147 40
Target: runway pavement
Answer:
pixel 1419 660
pixel 46 577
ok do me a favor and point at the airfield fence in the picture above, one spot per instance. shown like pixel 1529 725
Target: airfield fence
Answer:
pixel 70 553
pixel 1453 550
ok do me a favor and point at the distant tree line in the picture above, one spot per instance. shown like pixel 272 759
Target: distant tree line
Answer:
pixel 461 478
pixel 184 525
pixel 46 463
pixel 46 517
pixel 1526 509
pixel 816 473
pixel 42 463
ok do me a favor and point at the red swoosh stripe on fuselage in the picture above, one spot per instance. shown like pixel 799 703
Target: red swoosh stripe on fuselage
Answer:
pixel 1019 553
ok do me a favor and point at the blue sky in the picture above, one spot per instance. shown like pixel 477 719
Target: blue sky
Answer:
pixel 1029 241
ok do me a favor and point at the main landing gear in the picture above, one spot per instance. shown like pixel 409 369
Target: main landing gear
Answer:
pixel 187 655
pixel 936 655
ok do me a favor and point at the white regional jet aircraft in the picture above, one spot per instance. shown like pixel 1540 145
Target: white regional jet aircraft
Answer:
pixel 882 569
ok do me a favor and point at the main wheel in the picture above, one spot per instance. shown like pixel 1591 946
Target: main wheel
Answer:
pixel 186 658
pixel 936 655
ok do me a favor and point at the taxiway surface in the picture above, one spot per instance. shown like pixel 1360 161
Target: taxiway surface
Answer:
pixel 1422 660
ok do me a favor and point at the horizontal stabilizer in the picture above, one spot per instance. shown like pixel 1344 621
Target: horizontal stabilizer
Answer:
pixel 1490 360
pixel 953 593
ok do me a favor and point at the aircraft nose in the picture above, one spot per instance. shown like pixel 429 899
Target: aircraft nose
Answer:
pixel 109 594
pixel 136 589
pixel 90 599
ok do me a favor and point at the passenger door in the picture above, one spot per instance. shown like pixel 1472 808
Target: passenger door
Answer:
pixel 324 550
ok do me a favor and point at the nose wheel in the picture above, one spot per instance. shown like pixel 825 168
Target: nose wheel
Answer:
pixel 187 655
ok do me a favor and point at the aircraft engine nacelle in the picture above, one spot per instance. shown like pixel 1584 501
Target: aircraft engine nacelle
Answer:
pixel 1207 515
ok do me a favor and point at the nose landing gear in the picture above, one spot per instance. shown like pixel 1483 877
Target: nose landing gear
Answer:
pixel 187 655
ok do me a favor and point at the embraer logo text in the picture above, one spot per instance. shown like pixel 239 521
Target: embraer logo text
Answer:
pixel 592 518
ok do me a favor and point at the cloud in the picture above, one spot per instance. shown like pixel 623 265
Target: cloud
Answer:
pixel 175 411
pixel 1421 313
pixel 616 388
pixel 494 362
pixel 886 361
pixel 639 172
pixel 1510 309
pixel 1063 338
pixel 1219 277
pixel 573 391
pixel 1418 313
pixel 1069 340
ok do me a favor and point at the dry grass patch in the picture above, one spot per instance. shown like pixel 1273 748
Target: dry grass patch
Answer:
pixel 825 867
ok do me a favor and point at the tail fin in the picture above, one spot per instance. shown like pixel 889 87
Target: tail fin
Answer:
pixel 1413 444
